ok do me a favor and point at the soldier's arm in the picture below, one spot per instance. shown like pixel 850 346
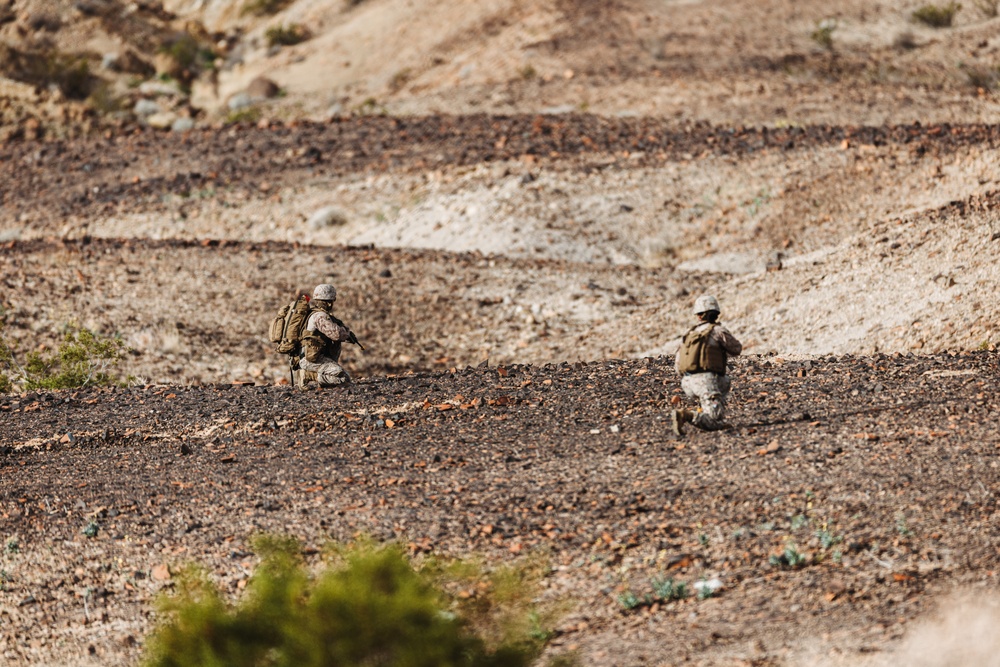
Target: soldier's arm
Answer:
pixel 331 329
pixel 728 341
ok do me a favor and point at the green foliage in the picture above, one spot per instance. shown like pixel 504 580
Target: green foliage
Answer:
pixel 828 539
pixel 83 359
pixel 245 115
pixel 799 520
pixel 370 107
pixel 368 607
pixel 937 16
pixel 823 34
pixel 901 526
pixel 705 591
pixel 91 529
pixel 70 73
pixel 667 589
pixel 7 361
pixel 290 35
pixel 264 7
pixel 791 558
pixel 629 600
pixel 103 100
pixel 184 50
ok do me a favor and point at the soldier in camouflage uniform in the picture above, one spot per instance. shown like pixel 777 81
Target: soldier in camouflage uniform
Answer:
pixel 701 363
pixel 322 340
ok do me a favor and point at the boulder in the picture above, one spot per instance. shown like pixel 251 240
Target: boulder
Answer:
pixel 328 216
pixel 146 107
pixel 161 121
pixel 263 88
pixel 239 101
pixel 182 124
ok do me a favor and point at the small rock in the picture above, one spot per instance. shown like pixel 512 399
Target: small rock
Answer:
pixel 239 101
pixel 328 216
pixel 160 572
pixel 109 61
pixel 263 88
pixel 146 107
pixel 155 88
pixel 335 110
pixel 161 121
pixel 182 124
pixel 708 586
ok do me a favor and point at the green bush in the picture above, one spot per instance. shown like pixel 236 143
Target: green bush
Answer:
pixel 83 359
pixel 49 67
pixel 369 607
pixel 264 7
pixel 290 35
pixel 245 115
pixel 823 34
pixel 937 16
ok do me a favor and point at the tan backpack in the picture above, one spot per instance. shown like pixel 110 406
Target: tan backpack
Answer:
pixel 697 356
pixel 287 325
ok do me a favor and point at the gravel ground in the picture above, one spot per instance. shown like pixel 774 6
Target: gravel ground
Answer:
pixel 880 471
pixel 854 496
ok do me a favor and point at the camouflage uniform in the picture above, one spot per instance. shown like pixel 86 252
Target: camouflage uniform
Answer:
pixel 711 389
pixel 322 341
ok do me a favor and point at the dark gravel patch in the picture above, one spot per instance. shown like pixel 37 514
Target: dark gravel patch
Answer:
pixel 94 176
pixel 880 472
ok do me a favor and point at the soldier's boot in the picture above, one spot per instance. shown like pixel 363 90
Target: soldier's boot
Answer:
pixel 680 417
pixel 306 377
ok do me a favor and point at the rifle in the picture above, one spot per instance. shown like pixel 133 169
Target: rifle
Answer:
pixel 351 338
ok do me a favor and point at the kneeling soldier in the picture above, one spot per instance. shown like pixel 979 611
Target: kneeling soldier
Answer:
pixel 322 340
pixel 701 363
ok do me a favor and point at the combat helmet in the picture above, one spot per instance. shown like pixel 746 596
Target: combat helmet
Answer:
pixel 325 292
pixel 706 303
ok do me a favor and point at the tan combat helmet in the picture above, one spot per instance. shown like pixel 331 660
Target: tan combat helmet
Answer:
pixel 705 303
pixel 325 292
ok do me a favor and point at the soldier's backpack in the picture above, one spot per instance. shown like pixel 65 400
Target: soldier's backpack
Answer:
pixel 697 356
pixel 287 325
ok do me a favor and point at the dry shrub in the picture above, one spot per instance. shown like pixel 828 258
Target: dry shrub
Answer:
pixel 937 16
pixel 369 606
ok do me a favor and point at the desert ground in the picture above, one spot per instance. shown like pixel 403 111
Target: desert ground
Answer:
pixel 518 201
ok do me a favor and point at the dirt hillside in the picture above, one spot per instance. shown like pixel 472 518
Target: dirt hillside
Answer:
pixel 518 201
